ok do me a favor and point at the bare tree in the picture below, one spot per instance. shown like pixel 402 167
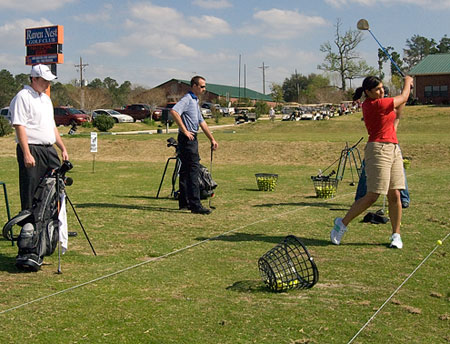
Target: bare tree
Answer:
pixel 344 60
pixel 94 98
pixel 154 97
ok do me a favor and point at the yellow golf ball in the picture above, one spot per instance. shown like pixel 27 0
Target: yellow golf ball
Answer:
pixel 439 242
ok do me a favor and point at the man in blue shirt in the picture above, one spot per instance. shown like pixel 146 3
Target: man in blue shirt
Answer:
pixel 188 117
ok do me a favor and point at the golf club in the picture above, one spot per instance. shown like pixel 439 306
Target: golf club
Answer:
pixel 210 172
pixel 363 24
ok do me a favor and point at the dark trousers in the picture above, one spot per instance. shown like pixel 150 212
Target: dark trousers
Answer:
pixel 46 158
pixel 189 194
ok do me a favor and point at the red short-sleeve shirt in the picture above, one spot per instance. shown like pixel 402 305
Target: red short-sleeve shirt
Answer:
pixel 379 117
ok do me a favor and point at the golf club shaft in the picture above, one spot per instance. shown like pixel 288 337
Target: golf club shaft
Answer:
pixel 210 172
pixel 387 54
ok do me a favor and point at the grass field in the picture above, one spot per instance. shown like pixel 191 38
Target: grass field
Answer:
pixel 167 276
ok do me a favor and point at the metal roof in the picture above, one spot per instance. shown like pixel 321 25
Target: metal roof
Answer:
pixel 231 91
pixel 432 64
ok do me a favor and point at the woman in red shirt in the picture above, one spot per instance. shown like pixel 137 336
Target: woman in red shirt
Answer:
pixel 384 162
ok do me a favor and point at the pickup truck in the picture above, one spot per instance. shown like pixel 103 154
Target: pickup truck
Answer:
pixel 139 111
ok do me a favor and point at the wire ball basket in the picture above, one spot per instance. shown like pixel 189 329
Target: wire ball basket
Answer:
pixel 325 187
pixel 266 181
pixel 288 266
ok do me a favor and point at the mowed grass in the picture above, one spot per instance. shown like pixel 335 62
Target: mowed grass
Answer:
pixel 167 276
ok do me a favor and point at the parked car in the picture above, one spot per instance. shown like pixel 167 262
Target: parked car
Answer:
pixel 137 111
pixel 166 116
pixel 157 113
pixel 65 115
pixel 117 116
pixel 5 113
pixel 206 113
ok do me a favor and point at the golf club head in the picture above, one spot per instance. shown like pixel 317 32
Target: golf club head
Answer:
pixel 380 212
pixel 362 24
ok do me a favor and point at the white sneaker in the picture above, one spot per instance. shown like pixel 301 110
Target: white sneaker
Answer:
pixel 396 241
pixel 338 231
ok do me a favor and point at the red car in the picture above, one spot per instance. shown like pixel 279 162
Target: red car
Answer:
pixel 65 115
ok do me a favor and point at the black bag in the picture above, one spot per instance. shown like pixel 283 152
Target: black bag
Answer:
pixel 40 225
pixel 206 183
pixel 375 218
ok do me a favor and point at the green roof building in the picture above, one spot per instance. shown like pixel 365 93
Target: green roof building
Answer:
pixel 432 79
pixel 176 88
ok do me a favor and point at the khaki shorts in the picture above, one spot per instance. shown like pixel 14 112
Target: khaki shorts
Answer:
pixel 384 167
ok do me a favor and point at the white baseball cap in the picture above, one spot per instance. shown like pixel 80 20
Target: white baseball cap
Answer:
pixel 42 71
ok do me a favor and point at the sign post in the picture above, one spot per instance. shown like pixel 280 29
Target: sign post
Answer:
pixel 44 45
pixel 93 149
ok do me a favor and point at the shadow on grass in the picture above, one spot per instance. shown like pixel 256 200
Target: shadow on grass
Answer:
pixel 299 204
pixel 274 239
pixel 248 286
pixel 145 197
pixel 137 196
pixel 125 206
pixel 8 264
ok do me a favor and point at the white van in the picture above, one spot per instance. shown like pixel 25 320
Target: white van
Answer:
pixel 5 113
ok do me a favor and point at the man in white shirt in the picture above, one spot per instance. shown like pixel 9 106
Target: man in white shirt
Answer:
pixel 36 132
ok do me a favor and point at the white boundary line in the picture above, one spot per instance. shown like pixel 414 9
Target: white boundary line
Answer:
pixel 158 258
pixel 396 290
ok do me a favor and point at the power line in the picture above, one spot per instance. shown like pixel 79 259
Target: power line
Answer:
pixel 263 67
pixel 81 67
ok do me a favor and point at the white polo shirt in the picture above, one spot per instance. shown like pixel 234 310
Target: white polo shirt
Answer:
pixel 34 111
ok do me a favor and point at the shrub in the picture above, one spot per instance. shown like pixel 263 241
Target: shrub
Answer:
pixel 103 122
pixel 261 108
pixel 217 115
pixel 86 125
pixel 5 127
pixel 148 121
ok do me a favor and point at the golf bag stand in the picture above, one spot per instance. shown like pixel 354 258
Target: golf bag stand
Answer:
pixel 171 143
pixel 79 221
pixel 174 174
pixel 8 213
pixel 351 154
pixel 67 182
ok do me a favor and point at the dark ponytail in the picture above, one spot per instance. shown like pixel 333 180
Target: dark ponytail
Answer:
pixel 368 83
pixel 358 93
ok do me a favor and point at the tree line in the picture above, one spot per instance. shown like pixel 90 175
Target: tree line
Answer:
pixel 341 58
pixel 97 94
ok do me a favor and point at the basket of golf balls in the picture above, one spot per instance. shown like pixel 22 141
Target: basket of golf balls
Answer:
pixel 325 187
pixel 288 266
pixel 266 181
pixel 406 162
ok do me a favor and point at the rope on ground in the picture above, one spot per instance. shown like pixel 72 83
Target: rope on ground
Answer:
pixel 396 290
pixel 154 259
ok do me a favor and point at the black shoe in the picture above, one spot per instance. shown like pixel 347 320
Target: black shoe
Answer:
pixel 201 210
pixel 405 205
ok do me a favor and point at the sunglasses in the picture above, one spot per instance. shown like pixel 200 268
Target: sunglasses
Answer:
pixel 204 86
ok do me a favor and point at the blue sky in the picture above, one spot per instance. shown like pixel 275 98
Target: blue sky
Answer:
pixel 150 42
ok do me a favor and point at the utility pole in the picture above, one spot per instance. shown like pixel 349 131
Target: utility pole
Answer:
pixel 264 77
pixel 245 80
pixel 81 67
pixel 239 95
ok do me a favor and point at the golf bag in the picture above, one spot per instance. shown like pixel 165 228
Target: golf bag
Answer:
pixel 40 224
pixel 206 183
